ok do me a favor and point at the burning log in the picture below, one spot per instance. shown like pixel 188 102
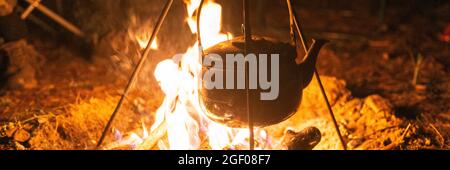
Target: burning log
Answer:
pixel 153 137
pixel 306 139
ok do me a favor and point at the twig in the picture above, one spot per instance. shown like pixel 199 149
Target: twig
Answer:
pixel 30 9
pixel 417 65
pixel 59 6
pixel 60 20
pixel 406 131
pixel 153 137
pixel 400 141
pixel 38 22
pixel 439 134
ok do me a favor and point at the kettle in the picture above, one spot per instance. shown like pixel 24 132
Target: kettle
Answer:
pixel 229 106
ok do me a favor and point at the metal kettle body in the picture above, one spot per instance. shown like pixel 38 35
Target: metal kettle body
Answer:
pixel 229 106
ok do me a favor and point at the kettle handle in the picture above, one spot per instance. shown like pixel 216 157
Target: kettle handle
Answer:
pixel 307 67
pixel 199 38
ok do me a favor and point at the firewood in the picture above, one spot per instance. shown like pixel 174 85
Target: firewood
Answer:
pixel 30 9
pixel 399 141
pixel 153 137
pixel 60 20
pixel 306 139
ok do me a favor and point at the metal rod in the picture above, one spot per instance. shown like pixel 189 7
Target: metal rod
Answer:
pixel 137 69
pixel 248 39
pixel 292 11
pixel 247 45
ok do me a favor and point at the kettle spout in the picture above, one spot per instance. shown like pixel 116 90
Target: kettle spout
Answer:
pixel 308 65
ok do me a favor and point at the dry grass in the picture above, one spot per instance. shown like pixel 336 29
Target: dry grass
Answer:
pixel 367 123
pixel 79 129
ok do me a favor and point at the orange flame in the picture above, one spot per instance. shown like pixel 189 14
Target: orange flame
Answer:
pixel 141 35
pixel 187 124
pixel 187 121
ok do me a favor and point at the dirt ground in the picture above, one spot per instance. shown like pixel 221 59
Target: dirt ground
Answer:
pixel 367 71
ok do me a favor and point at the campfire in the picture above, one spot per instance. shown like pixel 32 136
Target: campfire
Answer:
pixel 181 117
pixel 235 79
pixel 183 121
